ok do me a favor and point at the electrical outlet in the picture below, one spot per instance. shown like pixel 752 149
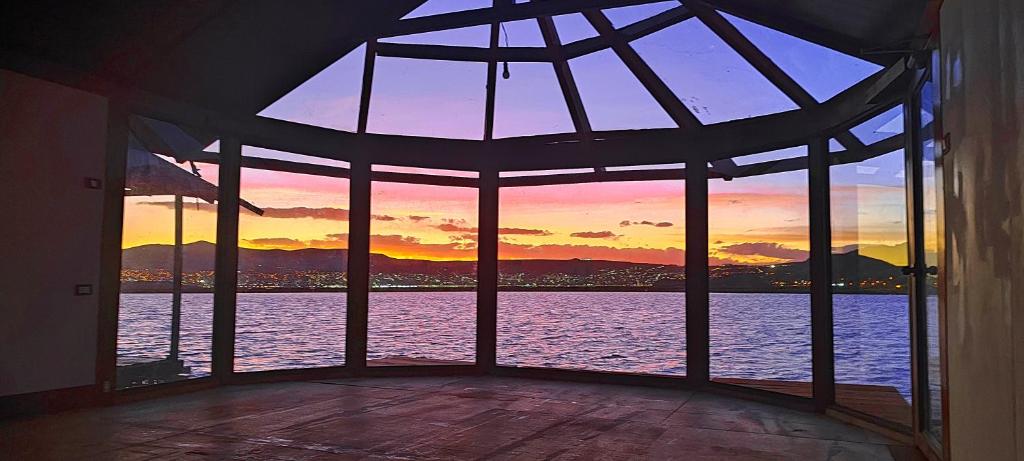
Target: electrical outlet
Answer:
pixel 93 183
pixel 83 290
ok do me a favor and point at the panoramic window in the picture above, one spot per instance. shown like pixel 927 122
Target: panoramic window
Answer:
pixel 758 239
pixel 292 259
pixel 591 277
pixel 165 316
pixel 871 306
pixel 422 275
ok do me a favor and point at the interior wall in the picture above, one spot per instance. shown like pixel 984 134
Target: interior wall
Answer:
pixel 51 138
pixel 983 109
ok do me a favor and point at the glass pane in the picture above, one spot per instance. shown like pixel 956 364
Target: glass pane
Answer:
pixel 426 171
pixel 521 33
pixel 329 99
pixel 573 27
pixel 932 236
pixel 422 275
pixel 707 75
pixel 292 239
pixel 760 301
pixel 591 277
pixel 880 127
pixel 442 99
pixel 432 7
pixel 871 303
pixel 612 96
pixel 475 36
pixel 165 317
pixel 530 102
pixel 823 72
pixel 626 15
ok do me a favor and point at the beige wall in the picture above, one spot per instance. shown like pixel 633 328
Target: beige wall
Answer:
pixel 51 138
pixel 983 75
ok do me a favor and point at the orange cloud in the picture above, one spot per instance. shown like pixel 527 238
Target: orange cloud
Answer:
pixel 595 235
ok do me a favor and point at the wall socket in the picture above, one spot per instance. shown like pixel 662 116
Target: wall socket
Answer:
pixel 83 290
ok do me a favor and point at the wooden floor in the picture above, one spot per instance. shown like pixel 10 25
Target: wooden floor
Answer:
pixel 441 418
pixel 882 401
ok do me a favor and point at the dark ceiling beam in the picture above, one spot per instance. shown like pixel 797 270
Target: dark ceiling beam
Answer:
pixel 482 16
pixel 763 64
pixel 643 72
pixel 462 53
pixel 639 147
pixel 566 81
pixel 572 50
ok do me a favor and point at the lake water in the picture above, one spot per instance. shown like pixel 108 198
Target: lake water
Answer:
pixel 756 336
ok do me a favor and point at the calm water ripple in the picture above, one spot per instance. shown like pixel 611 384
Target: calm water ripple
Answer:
pixel 757 336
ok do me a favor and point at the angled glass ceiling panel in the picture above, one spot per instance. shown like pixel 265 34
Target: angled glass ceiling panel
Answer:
pixel 518 174
pixel 626 15
pixel 432 7
pixel 882 126
pixel 530 102
pixel 520 33
pixel 835 146
pixel 477 36
pixel 789 152
pixel 427 171
pixel 822 71
pixel 441 99
pixel 330 99
pixel 259 152
pixel 715 82
pixel 612 96
pixel 573 27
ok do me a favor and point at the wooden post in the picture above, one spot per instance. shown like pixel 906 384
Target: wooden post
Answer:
pixel 176 273
pixel 358 266
pixel 226 263
pixel 487 273
pixel 698 334
pixel 110 245
pixel 822 352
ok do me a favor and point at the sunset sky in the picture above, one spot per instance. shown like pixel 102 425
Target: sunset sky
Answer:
pixel 761 220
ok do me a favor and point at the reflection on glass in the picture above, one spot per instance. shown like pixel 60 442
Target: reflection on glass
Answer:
pixel 871 304
pixel 933 359
pixel 165 318
pixel 422 275
pixel 591 277
pixel 292 256
pixel 759 278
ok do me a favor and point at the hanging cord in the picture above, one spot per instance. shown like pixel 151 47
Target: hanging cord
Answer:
pixel 505 73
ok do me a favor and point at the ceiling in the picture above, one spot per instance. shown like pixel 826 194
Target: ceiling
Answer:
pixel 239 56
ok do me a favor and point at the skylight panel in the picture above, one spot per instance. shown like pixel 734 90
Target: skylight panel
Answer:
pixel 432 7
pixel 520 33
pixel 573 27
pixel 880 127
pixel 476 36
pixel 330 99
pixel 530 102
pixel 822 71
pixel 626 15
pixel 612 96
pixel 441 99
pixel 707 75
pixel 780 154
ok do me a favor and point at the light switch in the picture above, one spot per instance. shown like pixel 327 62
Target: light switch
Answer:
pixel 83 290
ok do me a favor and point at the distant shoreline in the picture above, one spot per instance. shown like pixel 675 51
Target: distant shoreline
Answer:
pixel 606 289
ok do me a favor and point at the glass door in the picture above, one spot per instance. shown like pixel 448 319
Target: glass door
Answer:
pixel 926 250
